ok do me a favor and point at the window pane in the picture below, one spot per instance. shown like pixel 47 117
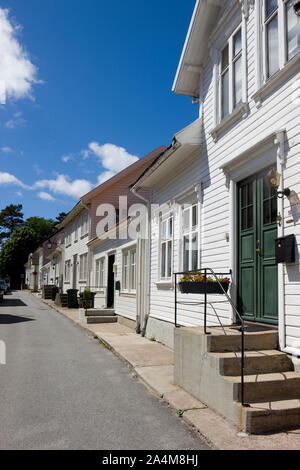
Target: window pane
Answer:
pixel 169 273
pixel 271 6
pixel 164 230
pixel 272 46
pixel 195 216
pixel 225 94
pixel 238 83
pixel 171 226
pixel 225 58
pixel 163 260
pixel 186 253
pixel 237 43
pixel 194 251
pixel 293 31
pixel 186 219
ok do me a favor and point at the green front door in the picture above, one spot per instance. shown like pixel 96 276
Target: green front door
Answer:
pixel 257 230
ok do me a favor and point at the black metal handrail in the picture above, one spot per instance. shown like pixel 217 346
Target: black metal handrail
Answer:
pixel 242 329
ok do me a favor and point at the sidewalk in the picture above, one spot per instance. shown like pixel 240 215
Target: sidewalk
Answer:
pixel 153 363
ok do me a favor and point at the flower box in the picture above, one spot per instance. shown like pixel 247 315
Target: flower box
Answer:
pixel 191 287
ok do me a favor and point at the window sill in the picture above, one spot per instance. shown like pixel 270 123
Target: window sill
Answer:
pixel 84 236
pixel 240 112
pixel 276 79
pixel 128 294
pixel 69 244
pixel 167 284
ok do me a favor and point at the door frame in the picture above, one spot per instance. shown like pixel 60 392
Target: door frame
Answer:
pixel 258 225
pixel 111 253
pixel 263 153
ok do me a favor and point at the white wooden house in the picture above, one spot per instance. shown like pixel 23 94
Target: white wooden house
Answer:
pixel 241 63
pixel 76 226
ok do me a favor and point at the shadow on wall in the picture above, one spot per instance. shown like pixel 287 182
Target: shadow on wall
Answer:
pixel 293 270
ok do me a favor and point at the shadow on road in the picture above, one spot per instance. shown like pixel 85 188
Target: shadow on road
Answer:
pixel 13 303
pixel 9 319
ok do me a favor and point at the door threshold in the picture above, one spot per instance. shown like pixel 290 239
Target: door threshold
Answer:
pixel 252 327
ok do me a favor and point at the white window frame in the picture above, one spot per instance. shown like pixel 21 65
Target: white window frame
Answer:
pixel 283 58
pixel 83 267
pixel 129 269
pixel 67 270
pixel 99 272
pixel 189 232
pixel 84 224
pixel 167 241
pixel 230 69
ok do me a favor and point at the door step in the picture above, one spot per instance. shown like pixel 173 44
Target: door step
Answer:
pixel 272 416
pixel 93 315
pixel 256 362
pixel 260 388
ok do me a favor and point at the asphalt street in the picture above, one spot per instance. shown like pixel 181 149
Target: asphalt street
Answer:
pixel 61 389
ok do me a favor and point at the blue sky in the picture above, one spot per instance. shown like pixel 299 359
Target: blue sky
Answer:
pixel 88 91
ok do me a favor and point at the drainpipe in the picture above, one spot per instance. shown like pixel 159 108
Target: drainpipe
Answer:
pixel 148 271
pixel 89 250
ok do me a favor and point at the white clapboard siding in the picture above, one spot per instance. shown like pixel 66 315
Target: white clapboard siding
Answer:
pixel 277 112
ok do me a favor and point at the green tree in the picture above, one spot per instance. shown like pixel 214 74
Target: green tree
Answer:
pixel 61 216
pixel 14 253
pixel 43 228
pixel 10 219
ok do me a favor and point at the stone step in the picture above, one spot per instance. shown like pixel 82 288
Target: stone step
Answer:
pixel 229 342
pixel 267 387
pixel 108 312
pixel 101 319
pixel 271 416
pixel 256 362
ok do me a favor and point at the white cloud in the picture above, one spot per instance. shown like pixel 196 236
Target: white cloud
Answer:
pixel 63 185
pixel 9 179
pixel 17 73
pixel 6 150
pixel 16 121
pixel 19 193
pixel 112 157
pixel 45 196
pixel 106 175
pixel 66 158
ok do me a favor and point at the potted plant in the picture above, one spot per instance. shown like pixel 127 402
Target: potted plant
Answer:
pixel 195 284
pixel 88 299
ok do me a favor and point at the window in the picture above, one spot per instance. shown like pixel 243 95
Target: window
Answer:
pixel 84 224
pixel 271 37
pixel 83 267
pixel 281 34
pixel 76 232
pixel 129 270
pixel 190 233
pixel 166 248
pixel 99 281
pixel 231 76
pixel 68 238
pixel 292 30
pixel 67 270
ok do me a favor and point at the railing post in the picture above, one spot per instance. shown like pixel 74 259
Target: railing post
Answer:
pixel 205 301
pixel 175 275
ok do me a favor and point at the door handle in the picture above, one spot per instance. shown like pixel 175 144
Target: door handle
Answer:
pixel 257 246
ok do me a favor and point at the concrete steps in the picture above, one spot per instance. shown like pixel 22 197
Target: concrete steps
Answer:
pixel 272 388
pixel 256 362
pixel 93 316
pixel 272 416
